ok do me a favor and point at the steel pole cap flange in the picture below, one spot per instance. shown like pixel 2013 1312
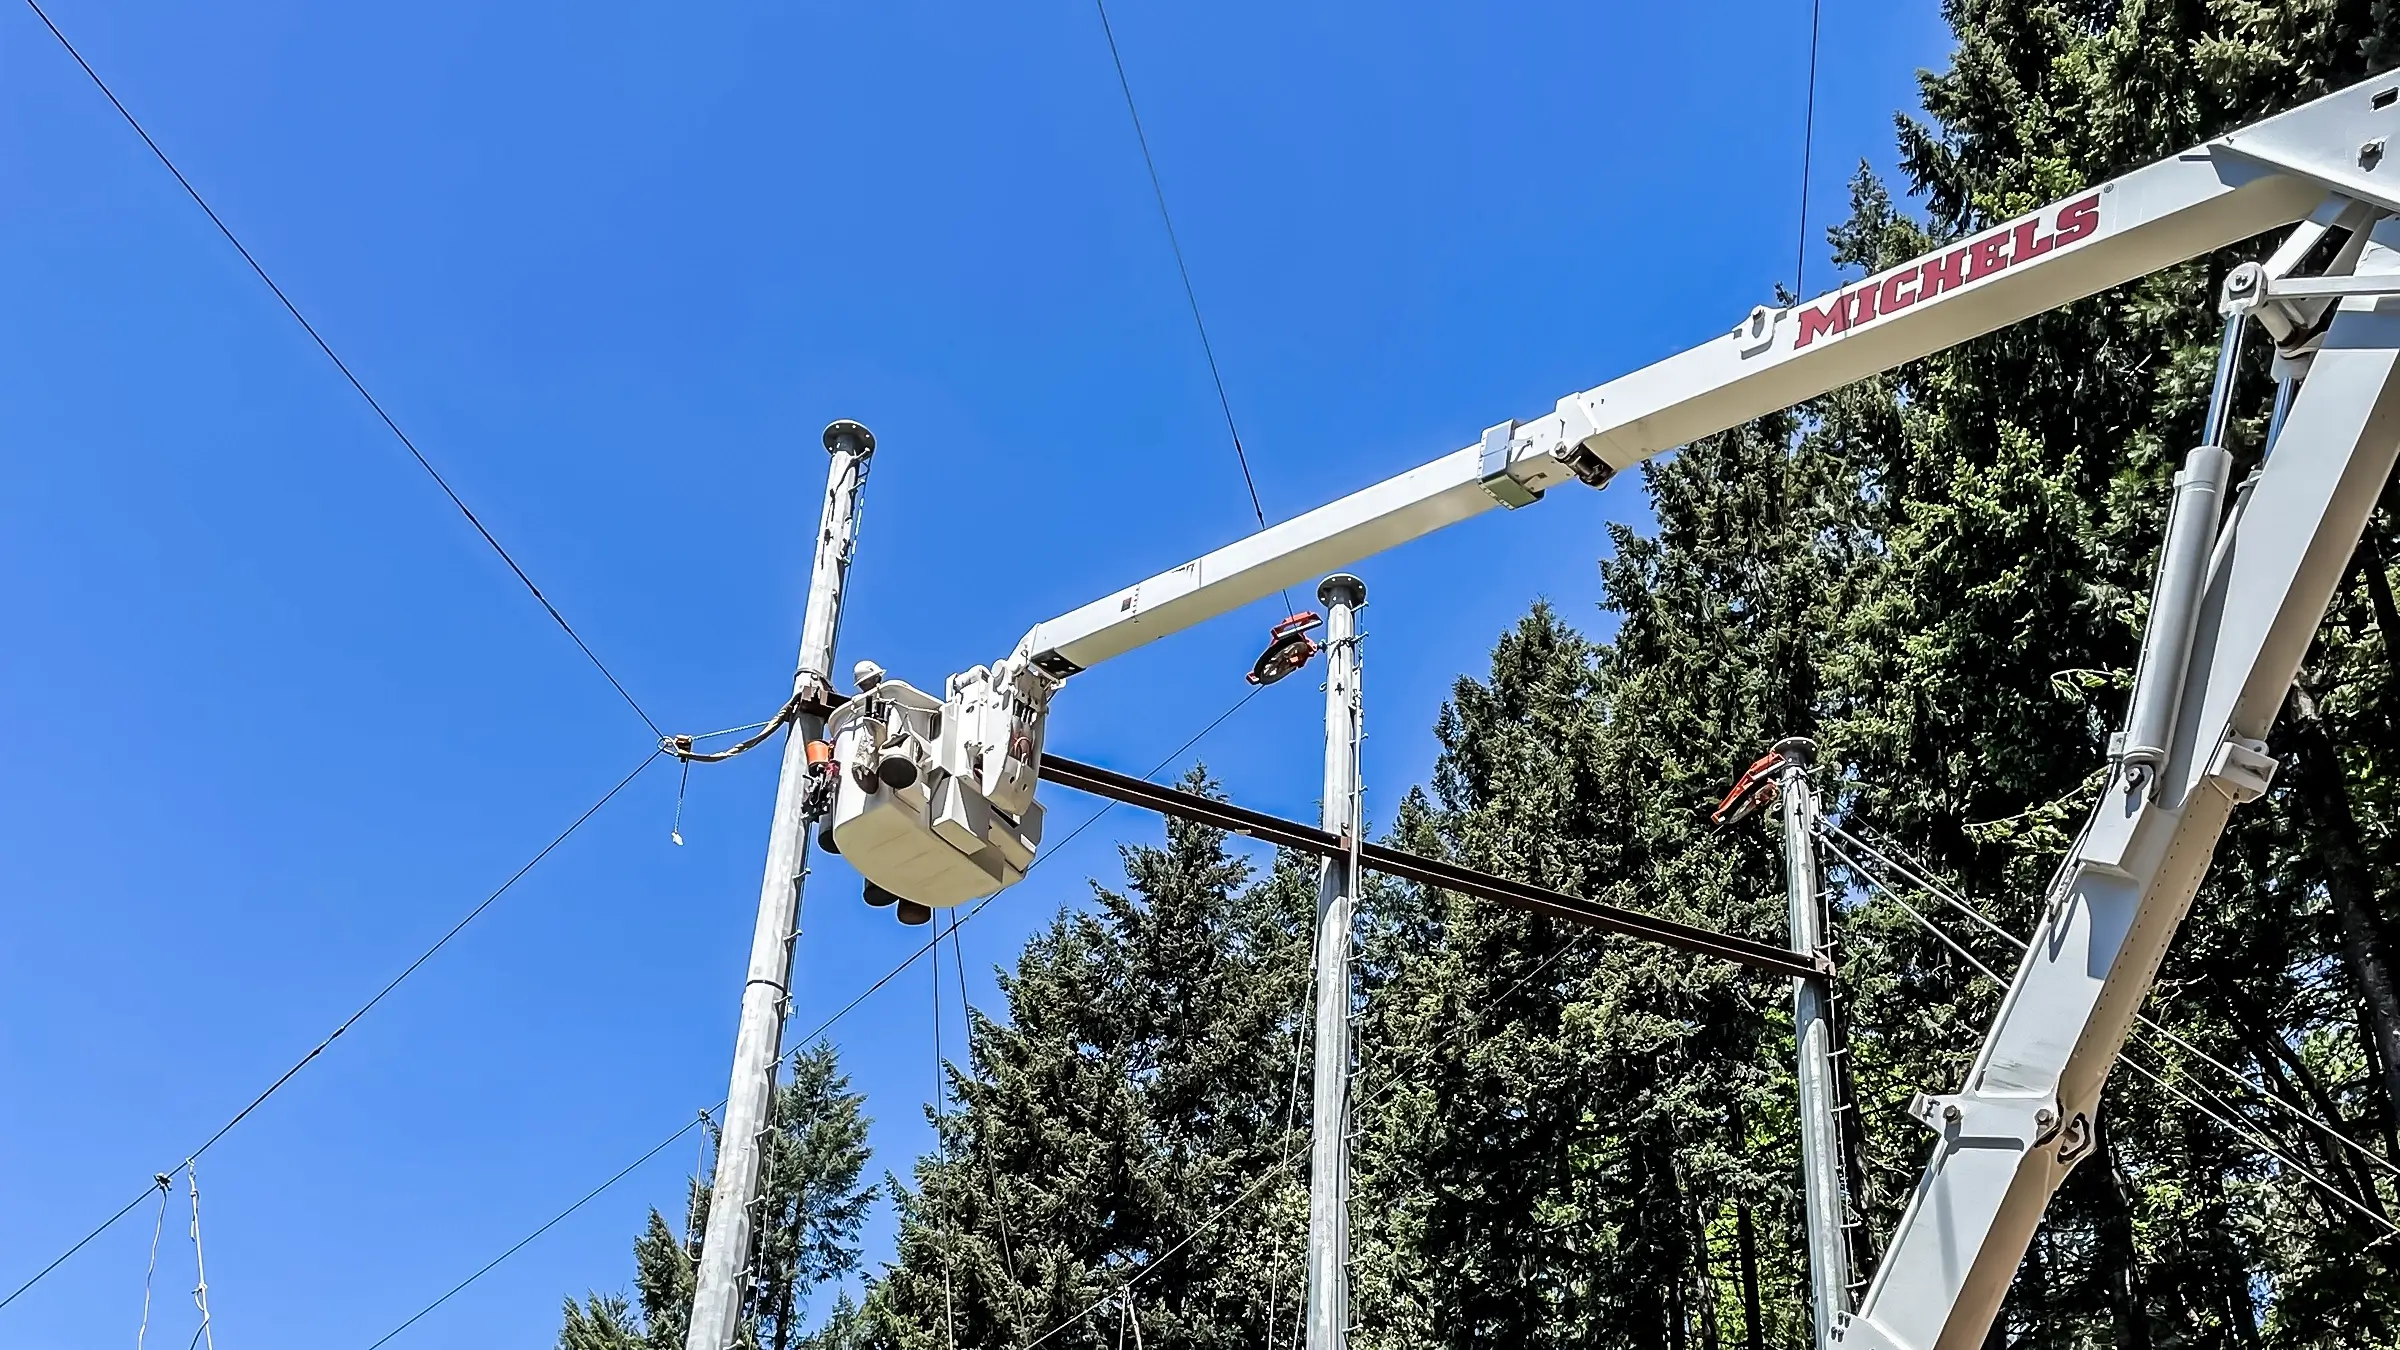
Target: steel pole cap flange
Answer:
pixel 1342 589
pixel 834 432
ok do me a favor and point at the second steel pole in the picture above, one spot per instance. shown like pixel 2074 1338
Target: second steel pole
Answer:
pixel 1820 1143
pixel 722 1278
pixel 1337 896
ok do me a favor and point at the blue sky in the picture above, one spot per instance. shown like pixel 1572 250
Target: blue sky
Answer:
pixel 280 718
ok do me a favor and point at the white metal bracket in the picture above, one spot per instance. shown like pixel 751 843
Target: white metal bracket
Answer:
pixel 1498 449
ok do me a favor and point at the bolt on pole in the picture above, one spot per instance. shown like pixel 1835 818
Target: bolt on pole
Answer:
pixel 1337 897
pixel 1820 1142
pixel 766 996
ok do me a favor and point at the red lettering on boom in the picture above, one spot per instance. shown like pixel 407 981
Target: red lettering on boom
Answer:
pixel 2077 219
pixel 1833 318
pixel 1978 258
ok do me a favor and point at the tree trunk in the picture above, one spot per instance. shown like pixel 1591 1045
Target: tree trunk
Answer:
pixel 2332 838
pixel 1746 1250
pixel 2281 1067
pixel 2132 1316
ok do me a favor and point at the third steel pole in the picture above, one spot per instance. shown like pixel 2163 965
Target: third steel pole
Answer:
pixel 1337 894
pixel 725 1249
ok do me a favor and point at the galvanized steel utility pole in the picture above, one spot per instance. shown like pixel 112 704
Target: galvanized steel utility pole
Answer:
pixel 1820 1141
pixel 766 998
pixel 1337 894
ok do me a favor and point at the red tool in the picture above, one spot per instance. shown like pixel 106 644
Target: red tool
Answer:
pixel 1754 789
pixel 1289 647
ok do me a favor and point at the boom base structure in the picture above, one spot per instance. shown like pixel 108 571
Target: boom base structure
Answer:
pixel 2241 591
pixel 2028 1111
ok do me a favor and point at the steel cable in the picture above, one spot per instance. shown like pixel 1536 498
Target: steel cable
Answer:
pixel 347 1022
pixel 344 367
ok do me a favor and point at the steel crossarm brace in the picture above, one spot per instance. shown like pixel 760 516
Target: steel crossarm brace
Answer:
pixel 1432 872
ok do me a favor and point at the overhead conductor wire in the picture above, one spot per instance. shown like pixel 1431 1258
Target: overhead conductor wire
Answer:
pixel 1808 148
pixel 1190 295
pixel 821 1028
pixel 344 367
pixel 1949 895
pixel 2233 1124
pixel 336 1034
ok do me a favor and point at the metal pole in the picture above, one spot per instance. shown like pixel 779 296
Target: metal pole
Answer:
pixel 1337 894
pixel 725 1249
pixel 1820 1141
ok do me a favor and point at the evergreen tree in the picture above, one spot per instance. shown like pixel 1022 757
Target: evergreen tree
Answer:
pixel 1130 1118
pixel 807 1235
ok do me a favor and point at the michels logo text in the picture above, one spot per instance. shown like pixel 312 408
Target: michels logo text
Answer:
pixel 1971 261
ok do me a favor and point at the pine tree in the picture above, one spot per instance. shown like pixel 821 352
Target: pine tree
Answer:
pixel 1131 1117
pixel 807 1235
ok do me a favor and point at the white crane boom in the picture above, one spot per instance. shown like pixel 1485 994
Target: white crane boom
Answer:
pixel 2154 217
pixel 936 797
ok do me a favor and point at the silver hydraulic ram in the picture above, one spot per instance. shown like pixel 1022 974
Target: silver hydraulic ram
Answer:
pixel 2192 519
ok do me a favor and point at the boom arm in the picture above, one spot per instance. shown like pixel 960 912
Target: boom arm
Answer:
pixel 2240 594
pixel 2203 199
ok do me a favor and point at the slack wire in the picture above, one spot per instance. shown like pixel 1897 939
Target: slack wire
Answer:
pixel 1191 296
pixel 820 1029
pixel 347 1022
pixel 346 373
pixel 561 1217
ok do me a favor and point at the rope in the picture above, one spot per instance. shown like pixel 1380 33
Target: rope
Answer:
pixel 1291 1126
pixel 207 1331
pixel 343 366
pixel 681 746
pixel 165 1184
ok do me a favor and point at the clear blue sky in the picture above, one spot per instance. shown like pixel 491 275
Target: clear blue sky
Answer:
pixel 279 718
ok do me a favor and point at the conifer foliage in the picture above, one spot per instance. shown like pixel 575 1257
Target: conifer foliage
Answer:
pixel 807 1235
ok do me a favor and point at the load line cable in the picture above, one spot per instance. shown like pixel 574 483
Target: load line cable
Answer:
pixel 347 374
pixel 1920 877
pixel 323 1045
pixel 2232 1123
pixel 1191 296
pixel 1808 149
pixel 821 1028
